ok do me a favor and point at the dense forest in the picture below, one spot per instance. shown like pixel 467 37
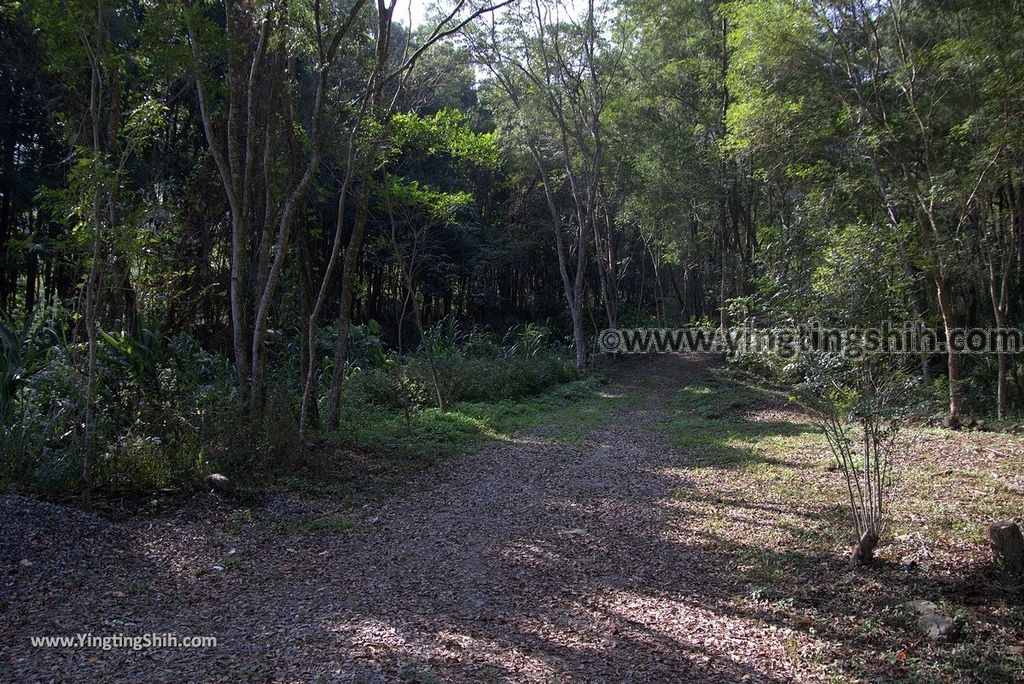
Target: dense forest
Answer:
pixel 335 341
pixel 221 215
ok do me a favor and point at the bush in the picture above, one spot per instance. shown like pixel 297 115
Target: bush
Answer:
pixel 486 380
pixel 158 401
pixel 168 411
pixel 473 365
pixel 860 409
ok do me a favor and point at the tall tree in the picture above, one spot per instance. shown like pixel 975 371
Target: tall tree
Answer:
pixel 263 48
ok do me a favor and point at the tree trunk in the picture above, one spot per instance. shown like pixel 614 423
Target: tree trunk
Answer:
pixel 259 332
pixel 573 288
pixel 1000 303
pixel 309 400
pixel 442 403
pixel 864 552
pixel 680 298
pixel 952 356
pixel 579 337
pixel 348 283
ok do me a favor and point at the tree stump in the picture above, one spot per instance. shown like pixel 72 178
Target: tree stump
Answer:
pixel 864 552
pixel 1008 548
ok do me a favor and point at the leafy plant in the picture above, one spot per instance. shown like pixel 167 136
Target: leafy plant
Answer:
pixel 860 409
pixel 22 356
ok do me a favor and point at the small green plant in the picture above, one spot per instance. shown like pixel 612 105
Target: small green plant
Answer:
pixel 238 519
pixel 858 408
pixel 411 673
pixel 328 523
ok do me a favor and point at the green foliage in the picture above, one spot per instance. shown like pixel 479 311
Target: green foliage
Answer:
pixel 860 410
pixel 445 132
pixel 22 356
pixel 328 523
pixel 790 160
pixel 768 75
pixel 167 411
pixel 436 205
pixel 474 365
pixel 859 279
pixel 158 400
pixel 399 446
pixel 484 380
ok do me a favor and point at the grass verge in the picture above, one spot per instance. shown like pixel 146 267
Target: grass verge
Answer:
pixel 762 494
pixel 379 451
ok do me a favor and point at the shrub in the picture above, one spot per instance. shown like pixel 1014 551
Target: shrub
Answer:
pixel 168 411
pixel 484 380
pixel 860 410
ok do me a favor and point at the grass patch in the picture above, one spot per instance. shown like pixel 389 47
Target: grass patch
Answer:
pixel 709 424
pixel 378 450
pixel 430 435
pixel 237 520
pixel 327 523
pixel 571 411
pixel 414 675
pixel 419 440
pixel 763 490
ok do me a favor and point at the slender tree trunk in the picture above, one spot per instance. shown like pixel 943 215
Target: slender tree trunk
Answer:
pixel 680 297
pixel 723 316
pixel 1000 295
pixel 572 287
pixel 92 284
pixel 952 356
pixel 8 279
pixel 640 294
pixel 91 302
pixel 32 274
pixel 999 292
pixel 410 289
pixel 604 244
pixel 258 365
pixel 307 345
pixel 579 336
pixel 309 400
pixel 348 283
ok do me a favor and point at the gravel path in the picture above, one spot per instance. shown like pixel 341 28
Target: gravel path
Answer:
pixel 531 561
